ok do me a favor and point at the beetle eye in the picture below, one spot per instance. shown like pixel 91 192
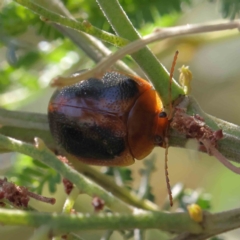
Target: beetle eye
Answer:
pixel 158 140
pixel 162 114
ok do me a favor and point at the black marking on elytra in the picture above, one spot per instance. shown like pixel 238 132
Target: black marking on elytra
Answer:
pixel 85 140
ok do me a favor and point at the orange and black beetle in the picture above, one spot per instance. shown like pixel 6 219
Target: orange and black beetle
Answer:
pixel 109 121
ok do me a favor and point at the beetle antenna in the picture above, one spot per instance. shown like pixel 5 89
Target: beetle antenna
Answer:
pixel 169 118
pixel 166 174
pixel 170 85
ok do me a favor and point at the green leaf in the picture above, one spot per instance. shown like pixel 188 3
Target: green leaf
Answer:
pixel 52 185
pixel 16 20
pixel 33 175
pixel 205 201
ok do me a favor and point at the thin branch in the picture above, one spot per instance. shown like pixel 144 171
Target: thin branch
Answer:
pixel 25 126
pixel 84 26
pixel 44 155
pixel 41 198
pixel 23 119
pixel 147 61
pixel 106 182
pixel 68 206
pixel 73 236
pixel 146 173
pixel 139 234
pixel 69 203
pixel 215 224
pixel 132 47
pixel 174 222
pixel 42 233
pixel 93 47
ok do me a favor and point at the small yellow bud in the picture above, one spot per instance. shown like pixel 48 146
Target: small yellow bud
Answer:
pixel 185 78
pixel 195 212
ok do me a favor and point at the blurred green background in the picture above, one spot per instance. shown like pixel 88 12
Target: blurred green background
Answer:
pixel 32 53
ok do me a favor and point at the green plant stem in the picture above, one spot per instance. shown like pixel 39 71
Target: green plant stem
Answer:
pixel 68 205
pixel 93 47
pixel 107 235
pixel 146 60
pixel 86 43
pixel 79 26
pixel 21 119
pixel 25 126
pixel 146 173
pixel 46 156
pixel 42 233
pixel 107 183
pixel 139 234
pixel 175 222
pixel 215 224
pixel 229 145
pixel 73 236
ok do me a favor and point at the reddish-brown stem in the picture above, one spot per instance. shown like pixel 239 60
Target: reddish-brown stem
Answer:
pixel 41 198
pixel 220 157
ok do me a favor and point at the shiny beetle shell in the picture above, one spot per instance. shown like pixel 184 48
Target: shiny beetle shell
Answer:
pixel 109 121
